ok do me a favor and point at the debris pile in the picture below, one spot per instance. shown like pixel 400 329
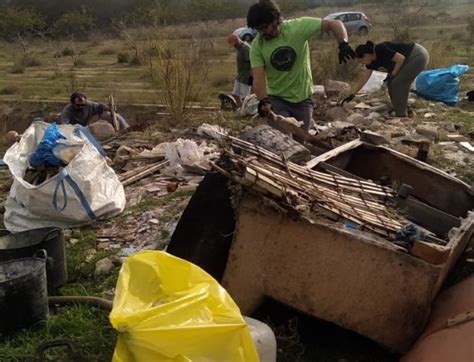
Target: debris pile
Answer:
pixel 372 112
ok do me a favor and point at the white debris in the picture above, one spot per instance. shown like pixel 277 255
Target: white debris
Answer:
pixel 212 131
pixel 467 146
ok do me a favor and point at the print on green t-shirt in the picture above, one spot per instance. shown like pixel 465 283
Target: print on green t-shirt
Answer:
pixel 286 59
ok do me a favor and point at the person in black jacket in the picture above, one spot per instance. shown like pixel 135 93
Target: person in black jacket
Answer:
pixel 402 61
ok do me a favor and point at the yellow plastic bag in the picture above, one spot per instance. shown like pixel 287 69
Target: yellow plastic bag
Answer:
pixel 168 309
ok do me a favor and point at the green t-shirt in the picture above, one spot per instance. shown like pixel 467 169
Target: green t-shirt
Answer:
pixel 286 59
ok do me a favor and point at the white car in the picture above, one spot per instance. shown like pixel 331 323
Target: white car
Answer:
pixel 246 34
pixel 354 21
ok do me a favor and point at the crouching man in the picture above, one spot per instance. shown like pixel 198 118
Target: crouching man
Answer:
pixel 84 112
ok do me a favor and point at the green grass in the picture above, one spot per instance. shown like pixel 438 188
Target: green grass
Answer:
pixel 86 327
pixel 153 202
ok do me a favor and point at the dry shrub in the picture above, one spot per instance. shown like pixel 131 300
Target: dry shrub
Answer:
pixel 30 60
pixel 123 58
pixel 441 54
pixel 178 75
pixel 325 65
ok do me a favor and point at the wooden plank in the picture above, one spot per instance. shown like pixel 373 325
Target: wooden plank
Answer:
pixel 430 217
pixel 333 153
pixel 434 254
pixel 338 171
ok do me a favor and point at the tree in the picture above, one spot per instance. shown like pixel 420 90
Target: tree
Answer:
pixel 75 23
pixel 402 14
pixel 20 25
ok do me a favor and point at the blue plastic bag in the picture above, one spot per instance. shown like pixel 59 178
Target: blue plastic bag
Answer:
pixel 43 155
pixel 441 84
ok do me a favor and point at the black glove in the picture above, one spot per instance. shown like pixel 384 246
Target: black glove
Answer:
pixel 345 52
pixel 263 107
pixel 349 98
pixel 388 78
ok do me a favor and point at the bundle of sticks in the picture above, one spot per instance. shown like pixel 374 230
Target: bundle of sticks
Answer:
pixel 363 203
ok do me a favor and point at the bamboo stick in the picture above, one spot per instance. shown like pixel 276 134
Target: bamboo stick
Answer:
pixel 149 171
pixel 311 173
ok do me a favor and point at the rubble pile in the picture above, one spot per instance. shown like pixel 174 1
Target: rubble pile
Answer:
pixel 372 112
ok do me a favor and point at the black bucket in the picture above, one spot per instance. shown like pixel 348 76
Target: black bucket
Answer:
pixel 23 293
pixel 26 243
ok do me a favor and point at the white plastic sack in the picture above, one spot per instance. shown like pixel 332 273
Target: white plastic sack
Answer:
pixel 85 190
pixel 184 152
pixel 374 83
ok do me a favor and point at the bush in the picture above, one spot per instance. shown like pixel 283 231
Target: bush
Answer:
pixel 9 90
pixel 123 58
pixel 30 61
pixel 18 68
pixel 78 62
pixel 67 52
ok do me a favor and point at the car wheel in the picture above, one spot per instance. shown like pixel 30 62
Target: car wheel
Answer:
pixel 247 37
pixel 363 30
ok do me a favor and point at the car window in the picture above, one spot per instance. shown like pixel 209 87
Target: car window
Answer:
pixel 353 17
pixel 342 18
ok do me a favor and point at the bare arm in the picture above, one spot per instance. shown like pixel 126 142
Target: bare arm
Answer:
pixel 259 83
pixel 398 59
pixel 336 27
pixel 362 80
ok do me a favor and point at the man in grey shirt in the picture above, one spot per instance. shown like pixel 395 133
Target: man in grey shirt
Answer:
pixel 82 111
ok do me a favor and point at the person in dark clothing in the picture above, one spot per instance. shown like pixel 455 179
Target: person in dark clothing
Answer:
pixel 402 61
pixel 243 81
pixel 82 111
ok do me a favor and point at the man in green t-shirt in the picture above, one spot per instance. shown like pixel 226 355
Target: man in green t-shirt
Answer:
pixel 280 59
